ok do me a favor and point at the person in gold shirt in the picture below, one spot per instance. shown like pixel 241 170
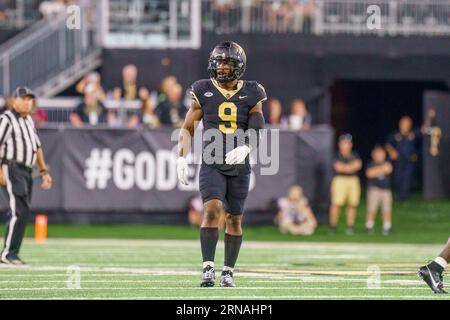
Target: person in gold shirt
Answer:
pixel 345 187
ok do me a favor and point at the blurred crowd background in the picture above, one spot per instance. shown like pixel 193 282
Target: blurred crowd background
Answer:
pixel 131 64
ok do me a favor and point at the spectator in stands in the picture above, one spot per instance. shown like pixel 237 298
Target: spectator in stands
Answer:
pixel 345 186
pixel 291 13
pixel 308 10
pixel 299 119
pixel 225 9
pixel 91 78
pixel 146 116
pixel 167 83
pixel 273 115
pixel 294 213
pixel 171 111
pixel 129 82
pixel 116 94
pixel 39 115
pixel 91 111
pixel 275 11
pixel 51 8
pixel 195 213
pixel 3 8
pixel 379 194
pixel 8 104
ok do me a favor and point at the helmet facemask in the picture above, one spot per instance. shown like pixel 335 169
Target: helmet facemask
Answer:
pixel 215 72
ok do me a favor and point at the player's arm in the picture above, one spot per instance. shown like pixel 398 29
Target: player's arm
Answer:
pixel 193 116
pixel 255 124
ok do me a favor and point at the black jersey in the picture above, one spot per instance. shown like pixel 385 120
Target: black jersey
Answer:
pixel 381 182
pixel 225 115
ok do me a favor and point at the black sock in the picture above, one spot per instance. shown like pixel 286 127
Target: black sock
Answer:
pixel 232 247
pixel 436 266
pixel 208 241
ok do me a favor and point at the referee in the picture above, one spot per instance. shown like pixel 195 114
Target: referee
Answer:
pixel 20 149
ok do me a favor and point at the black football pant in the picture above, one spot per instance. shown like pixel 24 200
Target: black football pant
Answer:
pixel 18 189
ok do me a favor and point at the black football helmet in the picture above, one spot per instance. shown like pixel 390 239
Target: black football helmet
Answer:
pixel 233 54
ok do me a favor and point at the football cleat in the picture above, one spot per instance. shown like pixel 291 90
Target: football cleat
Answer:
pixel 433 278
pixel 226 279
pixel 208 277
pixel 13 261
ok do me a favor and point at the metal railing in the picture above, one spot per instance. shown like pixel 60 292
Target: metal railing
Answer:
pixel 412 17
pixel 54 112
pixel 397 17
pixel 18 14
pixel 50 55
pixel 152 23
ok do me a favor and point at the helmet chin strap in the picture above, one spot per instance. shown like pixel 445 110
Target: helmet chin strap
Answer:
pixel 227 79
pixel 224 80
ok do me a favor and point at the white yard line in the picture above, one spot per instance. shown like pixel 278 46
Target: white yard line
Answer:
pixel 31 279
pixel 247 272
pixel 273 281
pixel 225 297
pixel 248 244
pixel 423 288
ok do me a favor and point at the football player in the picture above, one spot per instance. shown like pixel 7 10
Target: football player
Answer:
pixel 227 106
pixel 432 273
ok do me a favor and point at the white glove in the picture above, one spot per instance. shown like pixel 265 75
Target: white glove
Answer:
pixel 182 170
pixel 237 155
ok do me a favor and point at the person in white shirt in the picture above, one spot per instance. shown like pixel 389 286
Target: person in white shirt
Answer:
pixel 299 119
pixel 294 213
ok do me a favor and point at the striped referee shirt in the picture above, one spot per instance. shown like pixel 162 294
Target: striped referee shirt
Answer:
pixel 19 140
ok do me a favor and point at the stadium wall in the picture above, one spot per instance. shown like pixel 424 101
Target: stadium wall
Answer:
pixel 126 175
pixel 292 66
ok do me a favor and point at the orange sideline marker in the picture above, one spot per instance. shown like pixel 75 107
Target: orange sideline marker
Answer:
pixel 40 228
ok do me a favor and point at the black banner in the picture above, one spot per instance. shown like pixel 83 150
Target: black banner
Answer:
pixel 111 170
pixel 436 147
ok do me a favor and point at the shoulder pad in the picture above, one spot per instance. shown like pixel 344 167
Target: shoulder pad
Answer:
pixel 199 88
pixel 257 92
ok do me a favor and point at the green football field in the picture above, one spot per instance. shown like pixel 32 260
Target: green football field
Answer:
pixel 169 269
pixel 163 262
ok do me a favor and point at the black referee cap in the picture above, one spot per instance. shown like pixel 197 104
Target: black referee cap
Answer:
pixel 23 92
